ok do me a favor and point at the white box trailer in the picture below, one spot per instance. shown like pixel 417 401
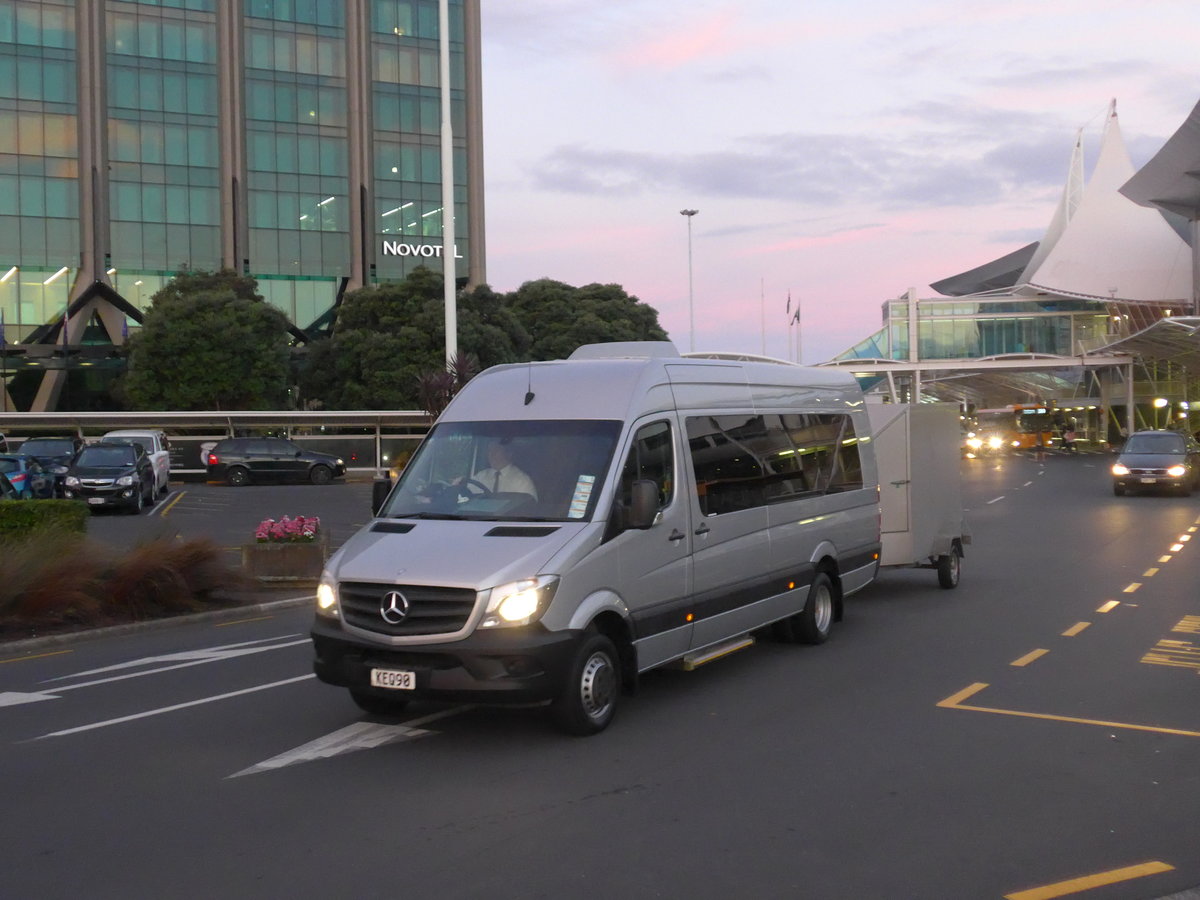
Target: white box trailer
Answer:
pixel 920 498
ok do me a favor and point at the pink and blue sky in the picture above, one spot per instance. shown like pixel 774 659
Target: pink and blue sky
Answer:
pixel 841 151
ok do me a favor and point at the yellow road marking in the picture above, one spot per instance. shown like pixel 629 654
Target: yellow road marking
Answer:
pixel 1133 587
pixel 1087 882
pixel 955 702
pixel 1165 559
pixel 1109 606
pixel 36 656
pixel 1175 548
pixel 1182 654
pixel 1075 629
pixel 1192 529
pixel 243 621
pixel 1150 573
pixel 1029 657
pixel 1188 624
pixel 166 509
pixel 1185 537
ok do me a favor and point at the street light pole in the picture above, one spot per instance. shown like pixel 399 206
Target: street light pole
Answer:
pixel 691 300
pixel 449 277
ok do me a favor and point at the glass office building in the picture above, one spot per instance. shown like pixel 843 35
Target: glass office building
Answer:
pixel 297 141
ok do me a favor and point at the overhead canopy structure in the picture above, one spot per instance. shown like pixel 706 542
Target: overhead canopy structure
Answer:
pixel 1171 181
pixel 999 273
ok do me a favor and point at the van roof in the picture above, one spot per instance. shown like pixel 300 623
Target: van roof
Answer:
pixel 627 380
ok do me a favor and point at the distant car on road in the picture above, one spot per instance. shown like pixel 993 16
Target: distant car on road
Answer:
pixel 239 461
pixel 54 454
pixel 27 476
pixel 1157 459
pixel 106 475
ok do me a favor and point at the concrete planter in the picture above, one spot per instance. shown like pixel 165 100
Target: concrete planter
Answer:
pixel 285 563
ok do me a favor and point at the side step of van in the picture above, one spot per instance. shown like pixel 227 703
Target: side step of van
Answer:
pixel 696 660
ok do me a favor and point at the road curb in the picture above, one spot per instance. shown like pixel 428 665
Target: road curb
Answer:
pixel 224 614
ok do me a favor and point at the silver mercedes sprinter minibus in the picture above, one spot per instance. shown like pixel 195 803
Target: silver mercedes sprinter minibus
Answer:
pixel 568 525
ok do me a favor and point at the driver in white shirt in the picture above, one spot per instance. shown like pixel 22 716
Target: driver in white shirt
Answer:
pixel 501 476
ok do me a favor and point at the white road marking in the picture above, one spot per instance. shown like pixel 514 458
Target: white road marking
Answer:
pixel 12 698
pixel 181 660
pixel 359 736
pixel 1027 484
pixel 167 709
pixel 996 500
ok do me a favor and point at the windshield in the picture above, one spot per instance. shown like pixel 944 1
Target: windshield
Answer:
pixel 525 471
pixel 1154 443
pixel 105 457
pixel 48 447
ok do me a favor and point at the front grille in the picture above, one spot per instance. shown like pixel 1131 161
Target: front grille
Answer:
pixel 432 610
pixel 1159 471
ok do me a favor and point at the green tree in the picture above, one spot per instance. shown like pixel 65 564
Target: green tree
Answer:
pixel 389 337
pixel 560 318
pixel 209 341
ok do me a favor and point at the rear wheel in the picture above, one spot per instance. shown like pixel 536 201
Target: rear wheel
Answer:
pixel 589 697
pixel 237 476
pixel 948 567
pixel 321 475
pixel 813 624
pixel 377 705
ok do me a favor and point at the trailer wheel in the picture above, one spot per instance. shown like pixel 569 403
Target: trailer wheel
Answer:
pixel 948 567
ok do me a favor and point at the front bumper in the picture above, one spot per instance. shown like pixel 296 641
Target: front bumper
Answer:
pixel 103 497
pixel 520 665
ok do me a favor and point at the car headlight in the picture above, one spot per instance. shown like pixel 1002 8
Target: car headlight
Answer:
pixel 341 462
pixel 974 443
pixel 124 481
pixel 1119 469
pixel 58 470
pixel 995 443
pixel 71 481
pixel 327 604
pixel 1177 471
pixel 519 602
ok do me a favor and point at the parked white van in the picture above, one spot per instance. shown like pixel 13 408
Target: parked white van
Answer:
pixel 568 525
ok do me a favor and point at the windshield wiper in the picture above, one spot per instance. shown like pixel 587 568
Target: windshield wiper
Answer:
pixel 423 515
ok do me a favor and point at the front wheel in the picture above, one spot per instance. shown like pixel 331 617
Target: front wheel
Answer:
pixel 377 705
pixel 948 567
pixel 1118 489
pixel 139 501
pixel 321 475
pixel 589 697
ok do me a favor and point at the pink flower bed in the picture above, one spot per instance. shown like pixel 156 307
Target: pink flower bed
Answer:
pixel 296 530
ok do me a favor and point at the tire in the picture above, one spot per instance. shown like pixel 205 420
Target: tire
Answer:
pixel 320 475
pixel 378 705
pixel 948 568
pixel 237 476
pixel 164 490
pixel 813 624
pixel 588 701
pixel 1118 489
pixel 139 500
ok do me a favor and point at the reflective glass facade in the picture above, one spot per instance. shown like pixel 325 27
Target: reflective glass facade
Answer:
pixel 293 140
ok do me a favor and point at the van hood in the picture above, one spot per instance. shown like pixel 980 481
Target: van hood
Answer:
pixel 454 553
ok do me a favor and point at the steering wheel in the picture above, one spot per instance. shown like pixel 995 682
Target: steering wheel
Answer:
pixel 461 489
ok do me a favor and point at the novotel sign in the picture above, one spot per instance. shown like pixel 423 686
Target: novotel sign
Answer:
pixel 429 251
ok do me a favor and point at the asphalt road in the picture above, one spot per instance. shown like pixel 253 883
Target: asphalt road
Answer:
pixel 1036 726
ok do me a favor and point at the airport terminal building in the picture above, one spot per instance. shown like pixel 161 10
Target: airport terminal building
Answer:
pixel 296 141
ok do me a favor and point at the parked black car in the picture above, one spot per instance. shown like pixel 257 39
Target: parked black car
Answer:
pixel 107 475
pixel 1157 459
pixel 54 454
pixel 240 461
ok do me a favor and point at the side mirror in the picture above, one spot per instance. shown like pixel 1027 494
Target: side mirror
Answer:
pixel 643 505
pixel 380 488
pixel 299 453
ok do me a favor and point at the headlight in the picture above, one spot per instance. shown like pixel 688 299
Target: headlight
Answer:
pixel 1119 469
pixel 519 602
pixel 71 481
pixel 124 481
pixel 341 462
pixel 995 443
pixel 1177 471
pixel 58 470
pixel 974 443
pixel 327 604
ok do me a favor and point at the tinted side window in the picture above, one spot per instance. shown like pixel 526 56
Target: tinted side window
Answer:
pixel 261 448
pixel 727 457
pixel 827 449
